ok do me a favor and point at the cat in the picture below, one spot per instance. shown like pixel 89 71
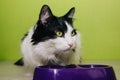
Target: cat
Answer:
pixel 51 41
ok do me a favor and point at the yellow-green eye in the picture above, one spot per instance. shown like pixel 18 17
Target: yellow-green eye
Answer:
pixel 73 33
pixel 59 33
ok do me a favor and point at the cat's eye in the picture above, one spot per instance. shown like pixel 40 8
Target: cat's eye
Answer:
pixel 73 33
pixel 59 33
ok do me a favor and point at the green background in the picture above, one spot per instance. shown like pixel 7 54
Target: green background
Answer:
pixel 98 21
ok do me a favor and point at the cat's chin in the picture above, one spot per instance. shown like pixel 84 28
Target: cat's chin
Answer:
pixel 68 49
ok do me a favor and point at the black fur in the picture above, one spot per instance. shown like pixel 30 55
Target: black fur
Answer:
pixel 19 62
pixel 48 31
pixel 24 36
pixel 48 25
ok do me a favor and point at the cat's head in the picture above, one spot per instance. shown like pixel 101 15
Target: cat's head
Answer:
pixel 56 31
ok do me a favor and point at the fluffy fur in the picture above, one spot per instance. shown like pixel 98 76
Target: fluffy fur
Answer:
pixel 52 41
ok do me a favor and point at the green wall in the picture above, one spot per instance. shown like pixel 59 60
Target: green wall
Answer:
pixel 97 20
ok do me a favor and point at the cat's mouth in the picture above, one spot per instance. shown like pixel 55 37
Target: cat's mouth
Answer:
pixel 69 49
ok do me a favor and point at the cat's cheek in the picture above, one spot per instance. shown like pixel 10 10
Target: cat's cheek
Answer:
pixel 61 44
pixel 61 47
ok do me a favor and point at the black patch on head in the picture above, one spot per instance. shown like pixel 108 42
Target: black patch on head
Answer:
pixel 48 24
pixel 48 31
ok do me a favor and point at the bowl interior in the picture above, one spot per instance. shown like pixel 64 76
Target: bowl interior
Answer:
pixel 74 66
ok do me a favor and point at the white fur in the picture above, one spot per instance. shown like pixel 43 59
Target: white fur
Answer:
pixel 36 55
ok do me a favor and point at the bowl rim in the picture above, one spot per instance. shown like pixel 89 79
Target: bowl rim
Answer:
pixel 76 66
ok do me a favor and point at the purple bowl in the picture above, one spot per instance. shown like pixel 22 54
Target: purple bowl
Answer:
pixel 74 72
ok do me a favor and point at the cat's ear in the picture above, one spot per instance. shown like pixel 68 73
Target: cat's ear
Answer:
pixel 45 14
pixel 70 13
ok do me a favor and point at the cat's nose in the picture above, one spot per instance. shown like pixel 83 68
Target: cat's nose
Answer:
pixel 70 44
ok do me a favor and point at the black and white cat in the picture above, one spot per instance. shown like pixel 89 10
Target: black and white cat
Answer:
pixel 52 41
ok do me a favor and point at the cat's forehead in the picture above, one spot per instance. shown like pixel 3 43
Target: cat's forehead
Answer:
pixel 63 23
pixel 69 26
